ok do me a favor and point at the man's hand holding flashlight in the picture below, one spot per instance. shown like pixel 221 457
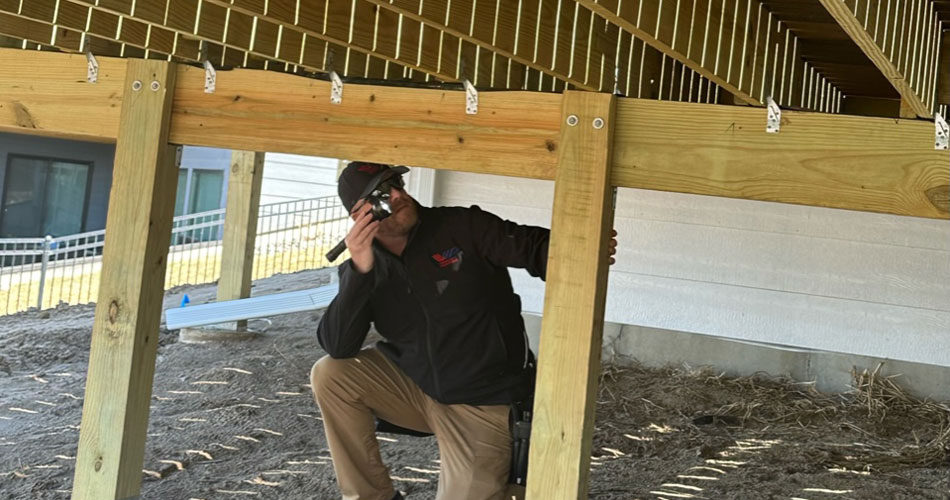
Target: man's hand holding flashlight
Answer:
pixel 360 238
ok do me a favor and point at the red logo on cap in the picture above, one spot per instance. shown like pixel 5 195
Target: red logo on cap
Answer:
pixel 370 169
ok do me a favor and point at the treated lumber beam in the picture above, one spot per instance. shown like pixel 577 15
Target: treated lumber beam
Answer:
pixel 240 225
pixel 128 310
pixel 900 41
pixel 738 45
pixel 855 163
pixel 837 161
pixel 514 133
pixel 574 300
pixel 46 93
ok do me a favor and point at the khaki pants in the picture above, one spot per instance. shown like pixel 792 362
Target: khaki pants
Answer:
pixel 474 441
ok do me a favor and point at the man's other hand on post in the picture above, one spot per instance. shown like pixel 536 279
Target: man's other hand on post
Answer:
pixel 612 246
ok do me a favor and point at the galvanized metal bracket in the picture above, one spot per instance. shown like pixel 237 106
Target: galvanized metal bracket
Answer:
pixel 210 74
pixel 774 121
pixel 942 138
pixel 92 68
pixel 210 77
pixel 471 98
pixel 336 88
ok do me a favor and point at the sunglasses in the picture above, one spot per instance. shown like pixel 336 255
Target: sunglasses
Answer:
pixel 384 188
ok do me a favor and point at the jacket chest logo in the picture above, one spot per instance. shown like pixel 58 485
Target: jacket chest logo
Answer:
pixel 451 257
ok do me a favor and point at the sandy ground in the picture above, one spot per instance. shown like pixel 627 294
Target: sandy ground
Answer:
pixel 237 421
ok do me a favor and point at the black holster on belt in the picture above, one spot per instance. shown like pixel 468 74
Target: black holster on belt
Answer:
pixel 520 423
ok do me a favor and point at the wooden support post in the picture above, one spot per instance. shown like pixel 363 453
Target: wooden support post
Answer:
pixel 125 332
pixel 240 226
pixel 574 300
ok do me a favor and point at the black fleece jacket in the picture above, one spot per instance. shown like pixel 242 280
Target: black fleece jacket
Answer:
pixel 445 308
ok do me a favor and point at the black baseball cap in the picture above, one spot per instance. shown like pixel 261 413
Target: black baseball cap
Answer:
pixel 360 178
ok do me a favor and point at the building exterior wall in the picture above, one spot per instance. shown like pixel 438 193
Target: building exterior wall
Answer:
pixel 293 177
pixel 100 155
pixel 286 177
pixel 832 280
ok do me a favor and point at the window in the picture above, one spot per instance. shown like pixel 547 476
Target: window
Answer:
pixel 44 196
pixel 199 190
pixel 206 188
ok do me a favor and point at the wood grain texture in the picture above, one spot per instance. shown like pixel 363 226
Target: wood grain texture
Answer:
pixel 240 225
pixel 46 93
pixel 576 291
pixel 128 310
pixel 855 163
pixel 514 133
pixel 853 27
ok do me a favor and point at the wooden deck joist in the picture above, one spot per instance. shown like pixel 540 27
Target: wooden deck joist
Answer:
pixel 506 46
pixel 242 30
pixel 902 40
pixel 854 163
pixel 74 27
pixel 738 45
pixel 401 36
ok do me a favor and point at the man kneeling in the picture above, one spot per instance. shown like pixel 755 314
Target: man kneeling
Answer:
pixel 435 283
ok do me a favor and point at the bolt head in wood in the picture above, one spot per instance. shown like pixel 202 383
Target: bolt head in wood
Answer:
pixel 572 120
pixel 598 123
pixel 137 85
pixel 155 85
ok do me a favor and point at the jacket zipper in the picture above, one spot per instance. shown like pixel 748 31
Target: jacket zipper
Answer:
pixel 425 313
pixel 435 372
pixel 428 333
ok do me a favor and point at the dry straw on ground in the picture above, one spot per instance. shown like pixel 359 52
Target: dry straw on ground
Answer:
pixel 896 429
